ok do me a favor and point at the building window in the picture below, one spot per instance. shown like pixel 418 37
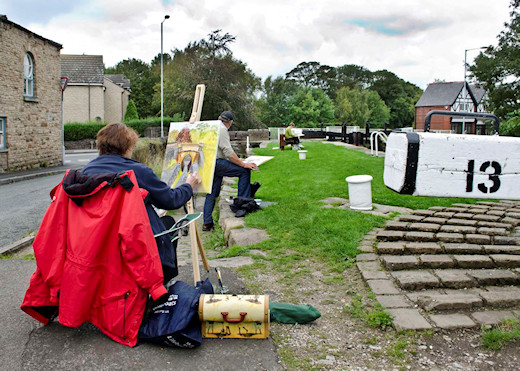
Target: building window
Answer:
pixel 28 75
pixel 2 132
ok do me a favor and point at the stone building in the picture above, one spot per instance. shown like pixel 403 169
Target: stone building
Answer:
pixel 454 97
pixel 117 94
pixel 30 99
pixel 90 95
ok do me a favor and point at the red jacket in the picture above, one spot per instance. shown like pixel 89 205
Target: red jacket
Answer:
pixel 96 256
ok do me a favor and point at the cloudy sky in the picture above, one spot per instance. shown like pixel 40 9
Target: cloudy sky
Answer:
pixel 419 40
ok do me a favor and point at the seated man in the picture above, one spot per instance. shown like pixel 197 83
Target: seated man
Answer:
pixel 289 137
pixel 227 164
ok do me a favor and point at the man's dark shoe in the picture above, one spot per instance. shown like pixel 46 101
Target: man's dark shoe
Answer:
pixel 207 227
pixel 254 188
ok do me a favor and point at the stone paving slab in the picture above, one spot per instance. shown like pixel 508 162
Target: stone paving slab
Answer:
pixel 449 301
pixel 462 248
pixel 462 222
pixel 437 261
pixel 454 278
pixel 383 287
pixel 492 317
pixel 366 257
pixel 481 239
pixel 374 275
pixel 452 321
pixel 396 262
pixel 494 276
pixel 423 248
pixel 246 236
pixel 387 235
pixel 420 236
pixel 424 227
pixel 506 260
pixel 506 240
pixel 435 220
pixel 415 280
pixel 369 266
pixel 473 261
pixel 394 248
pixel 450 237
pixel 501 298
pixel 393 301
pixel 408 319
pixel 458 229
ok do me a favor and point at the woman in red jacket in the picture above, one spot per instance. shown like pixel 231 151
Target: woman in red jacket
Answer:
pixel 115 143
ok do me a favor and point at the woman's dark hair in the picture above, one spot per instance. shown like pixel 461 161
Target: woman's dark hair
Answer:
pixel 116 138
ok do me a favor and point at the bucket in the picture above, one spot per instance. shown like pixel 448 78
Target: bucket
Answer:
pixel 302 154
pixel 360 192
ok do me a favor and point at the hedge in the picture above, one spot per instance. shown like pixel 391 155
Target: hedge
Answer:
pixel 88 130
pixel 80 131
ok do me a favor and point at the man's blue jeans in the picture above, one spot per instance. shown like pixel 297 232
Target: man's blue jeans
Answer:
pixel 226 168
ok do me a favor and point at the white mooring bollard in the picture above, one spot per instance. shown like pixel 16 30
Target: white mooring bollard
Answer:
pixel 360 192
pixel 302 154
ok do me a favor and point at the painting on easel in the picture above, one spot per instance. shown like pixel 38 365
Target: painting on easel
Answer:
pixel 191 148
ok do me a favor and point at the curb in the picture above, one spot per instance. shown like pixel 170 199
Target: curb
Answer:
pixel 18 245
pixel 30 176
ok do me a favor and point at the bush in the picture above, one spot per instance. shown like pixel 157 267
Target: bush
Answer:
pixel 89 130
pixel 140 125
pixel 131 111
pixel 82 130
pixel 511 127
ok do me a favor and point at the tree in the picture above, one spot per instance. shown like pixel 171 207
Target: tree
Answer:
pixel 142 83
pixel 399 96
pixel 131 111
pixel 378 111
pixel 498 68
pixel 309 107
pixel 230 85
pixel 273 105
pixel 357 106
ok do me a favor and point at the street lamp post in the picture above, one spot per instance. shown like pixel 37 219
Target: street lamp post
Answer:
pixel 162 82
pixel 465 91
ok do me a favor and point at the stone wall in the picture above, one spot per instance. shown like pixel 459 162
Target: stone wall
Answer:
pixel 254 135
pixel 33 125
pixel 82 103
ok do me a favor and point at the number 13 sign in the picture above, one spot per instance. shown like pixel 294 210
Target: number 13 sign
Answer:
pixel 450 165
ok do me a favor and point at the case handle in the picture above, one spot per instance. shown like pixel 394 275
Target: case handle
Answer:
pixel 233 320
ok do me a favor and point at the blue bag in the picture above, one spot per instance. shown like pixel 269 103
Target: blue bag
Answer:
pixel 175 322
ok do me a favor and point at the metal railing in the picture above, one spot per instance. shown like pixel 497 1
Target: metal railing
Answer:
pixel 478 115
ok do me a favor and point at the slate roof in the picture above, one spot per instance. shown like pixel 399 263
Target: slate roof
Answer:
pixel 440 94
pixel 120 80
pixel 82 69
pixel 478 93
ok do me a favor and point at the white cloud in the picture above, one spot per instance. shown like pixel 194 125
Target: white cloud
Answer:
pixel 418 40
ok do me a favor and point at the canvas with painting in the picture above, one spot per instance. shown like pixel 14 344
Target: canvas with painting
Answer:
pixel 191 148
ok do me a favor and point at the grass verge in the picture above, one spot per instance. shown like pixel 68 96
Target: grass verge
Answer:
pixel 507 332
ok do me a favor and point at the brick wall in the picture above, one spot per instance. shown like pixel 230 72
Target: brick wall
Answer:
pixel 82 103
pixel 33 126
pixel 437 122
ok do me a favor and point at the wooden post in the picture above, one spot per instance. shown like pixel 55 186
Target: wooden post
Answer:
pixel 195 239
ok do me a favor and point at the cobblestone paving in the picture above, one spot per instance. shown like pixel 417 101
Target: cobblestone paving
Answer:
pixel 447 267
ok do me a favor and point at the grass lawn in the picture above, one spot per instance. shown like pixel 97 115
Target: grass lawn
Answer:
pixel 298 223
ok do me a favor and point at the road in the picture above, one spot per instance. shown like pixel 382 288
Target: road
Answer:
pixel 23 204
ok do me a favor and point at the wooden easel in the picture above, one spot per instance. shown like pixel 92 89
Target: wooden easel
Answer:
pixel 194 232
